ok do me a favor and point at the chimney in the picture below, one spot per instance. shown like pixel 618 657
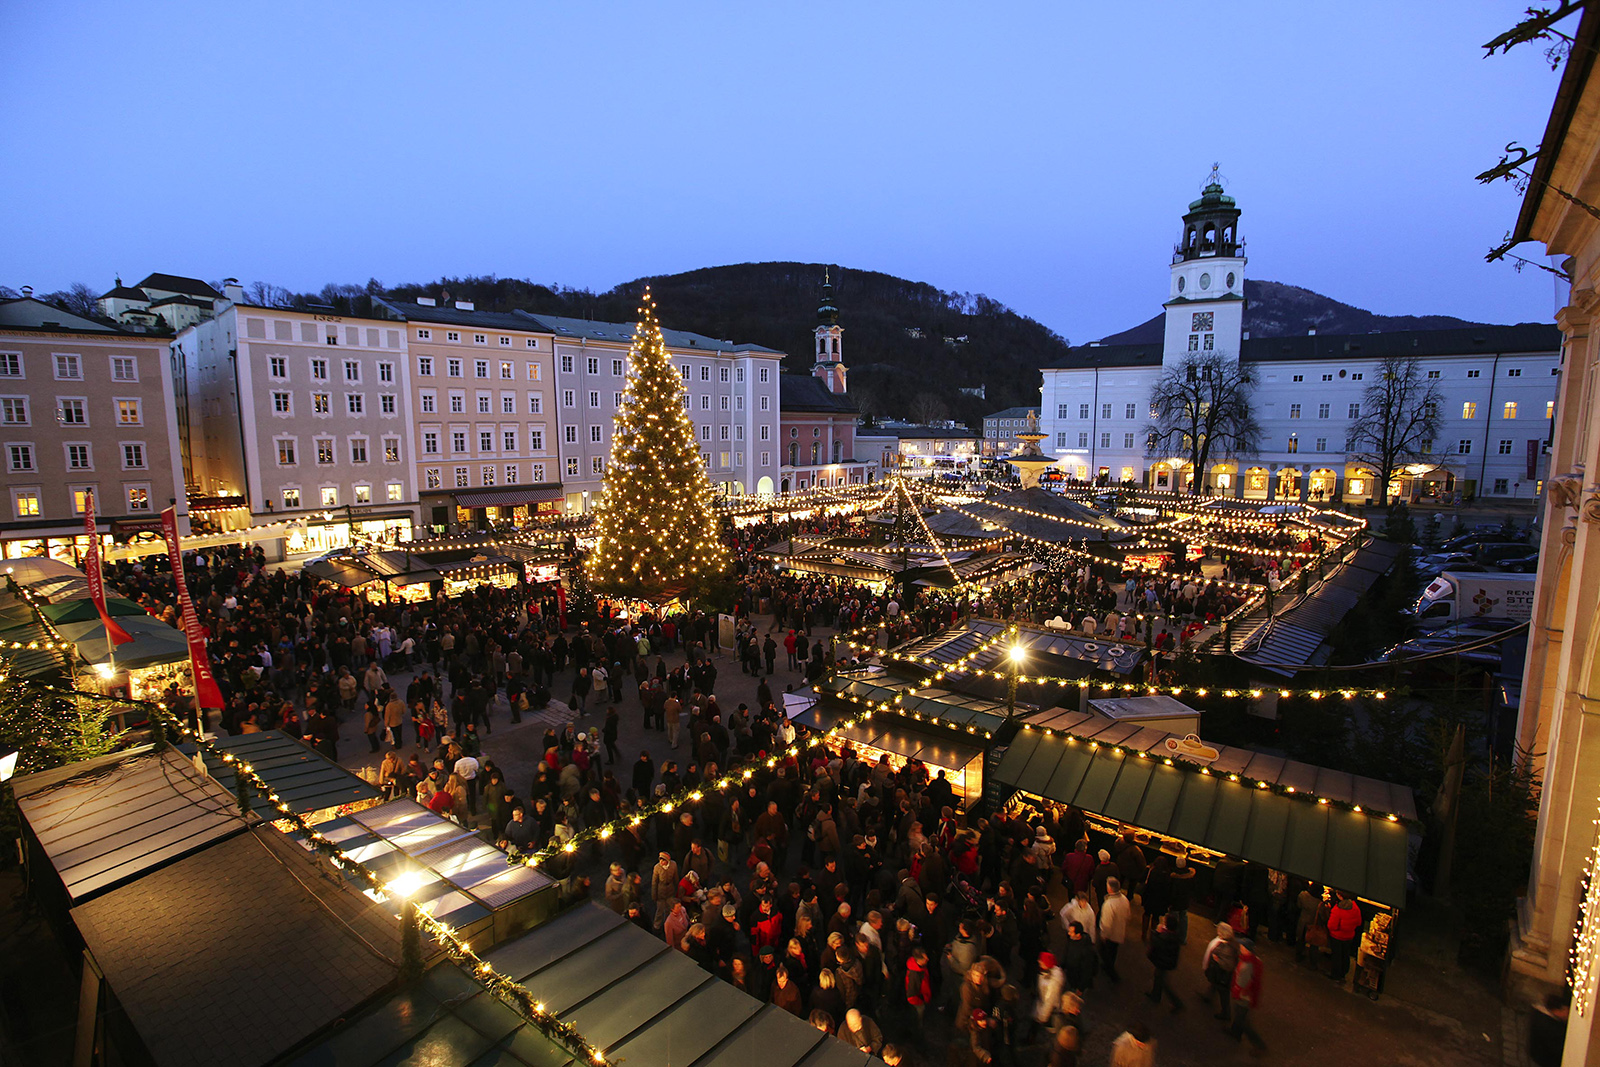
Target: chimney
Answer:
pixel 427 301
pixel 465 305
pixel 233 290
pixel 27 292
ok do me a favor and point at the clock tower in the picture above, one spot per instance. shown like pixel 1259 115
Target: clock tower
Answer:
pixel 829 367
pixel 1205 304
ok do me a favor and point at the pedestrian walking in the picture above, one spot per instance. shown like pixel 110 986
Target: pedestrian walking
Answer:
pixel 1114 912
pixel 1165 947
pixel 1245 990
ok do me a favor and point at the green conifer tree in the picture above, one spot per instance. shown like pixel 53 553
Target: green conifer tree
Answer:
pixel 655 520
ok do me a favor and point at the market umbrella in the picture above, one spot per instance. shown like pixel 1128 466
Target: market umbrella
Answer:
pixel 63 612
pixel 153 642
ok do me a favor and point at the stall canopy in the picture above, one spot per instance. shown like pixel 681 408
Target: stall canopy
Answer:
pixel 340 572
pixel 953 644
pixel 69 611
pixel 1360 852
pixel 505 498
pixel 153 642
pixel 305 779
pixel 959 711
pixel 636 999
pixel 900 738
pixel 20 627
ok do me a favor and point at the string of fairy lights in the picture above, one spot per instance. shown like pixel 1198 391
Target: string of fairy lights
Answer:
pixel 1583 959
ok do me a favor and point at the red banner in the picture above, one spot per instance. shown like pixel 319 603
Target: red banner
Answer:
pixel 115 635
pixel 206 692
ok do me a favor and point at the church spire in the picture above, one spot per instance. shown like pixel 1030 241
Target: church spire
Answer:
pixel 827 314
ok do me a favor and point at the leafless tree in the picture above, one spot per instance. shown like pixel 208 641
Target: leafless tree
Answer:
pixel 267 295
pixel 1398 423
pixel 1201 409
pixel 79 299
pixel 927 408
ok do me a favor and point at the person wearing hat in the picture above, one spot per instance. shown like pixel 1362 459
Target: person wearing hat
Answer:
pixel 1104 870
pixel 663 887
pixel 1217 964
pixel 1245 990
pixel 1051 984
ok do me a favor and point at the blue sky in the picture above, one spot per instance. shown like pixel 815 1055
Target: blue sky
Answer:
pixel 1040 153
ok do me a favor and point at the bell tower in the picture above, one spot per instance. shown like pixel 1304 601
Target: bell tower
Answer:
pixel 1205 302
pixel 829 366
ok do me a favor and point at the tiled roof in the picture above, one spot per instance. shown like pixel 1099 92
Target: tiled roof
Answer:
pixel 411 311
pixel 802 392
pixel 26 313
pixel 563 326
pixel 1012 413
pixel 177 283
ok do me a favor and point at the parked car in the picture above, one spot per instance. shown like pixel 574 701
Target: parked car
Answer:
pixel 1492 552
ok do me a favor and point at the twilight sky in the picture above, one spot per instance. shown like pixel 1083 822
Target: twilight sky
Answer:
pixel 1040 153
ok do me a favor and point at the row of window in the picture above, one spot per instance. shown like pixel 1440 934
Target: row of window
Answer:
pixel 1129 411
pixel 433 477
pixel 70 411
pixel 26 500
pixel 22 456
pixel 486 440
pixel 69 367
pixel 321 403
pixel 288 449
pixel 816 453
pixel 428 400
pixel 454 337
pixel 328 495
pixel 481 368
pixel 1463 446
pixel 1433 375
pixel 314 333
pixel 278 370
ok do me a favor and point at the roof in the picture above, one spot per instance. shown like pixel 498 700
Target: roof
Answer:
pixel 1297 636
pixel 1529 337
pixel 124 292
pixel 562 326
pixel 20 625
pixel 187 301
pixel 194 950
pixel 803 392
pixel 411 311
pixel 528 494
pixel 636 999
pixel 959 642
pixel 306 780
pixel 106 822
pixel 177 283
pixel 1013 413
pixel 1574 78
pixel 1360 852
pixel 27 313
pixel 919 433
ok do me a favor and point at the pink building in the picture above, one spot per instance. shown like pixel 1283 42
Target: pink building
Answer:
pixel 817 420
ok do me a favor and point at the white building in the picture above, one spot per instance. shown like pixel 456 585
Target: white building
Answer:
pixel 1497 384
pixel 300 415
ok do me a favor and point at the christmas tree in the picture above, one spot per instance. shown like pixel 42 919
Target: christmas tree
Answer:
pixel 655 521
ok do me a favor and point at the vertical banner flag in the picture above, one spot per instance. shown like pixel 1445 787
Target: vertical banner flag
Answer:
pixel 115 635
pixel 1533 458
pixel 207 695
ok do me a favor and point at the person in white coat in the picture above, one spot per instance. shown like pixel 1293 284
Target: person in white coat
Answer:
pixel 1052 983
pixel 1114 912
pixel 1079 910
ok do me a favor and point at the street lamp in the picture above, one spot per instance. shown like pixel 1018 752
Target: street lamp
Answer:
pixel 1016 654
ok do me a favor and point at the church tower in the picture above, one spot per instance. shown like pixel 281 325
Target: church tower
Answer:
pixel 829 366
pixel 1205 305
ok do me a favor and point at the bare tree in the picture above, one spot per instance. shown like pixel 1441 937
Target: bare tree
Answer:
pixel 79 299
pixel 1398 422
pixel 267 295
pixel 1201 409
pixel 927 408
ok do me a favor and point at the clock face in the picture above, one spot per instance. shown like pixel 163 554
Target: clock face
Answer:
pixel 1180 284
pixel 1205 281
pixel 1230 279
pixel 1200 321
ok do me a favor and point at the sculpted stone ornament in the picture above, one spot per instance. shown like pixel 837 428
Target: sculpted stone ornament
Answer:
pixel 1591 508
pixel 1565 492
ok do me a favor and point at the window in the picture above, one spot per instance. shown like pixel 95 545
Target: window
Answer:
pixel 1356 377
pixel 505 342
pixel 616 401
pixel 534 374
pixel 1083 411
pixel 428 401
pixel 616 368
pixel 593 364
pixel 358 450
pixel 1472 374
pixel 1464 447
pixel 705 434
pixel 1510 410
pixel 1469 410
pixel 280 403
pixel 452 336
pixel 72 412
pixel 278 367
pixel 572 466
pixel 458 403
pixel 1208 341
pixel 133 457
pixel 69 367
pixel 722 432
pixel 595 435
pixel 355 403
pixel 286 452
pixel 1327 377
pixel 430 442
pixel 1083 440
pixel 535 404
pixel 1127 440
pixel 78 458
pixel 128 413
pixel 1061 440
pixel 1505 447
pixel 480 368
pixel 1105 440
pixel 1322 411
pixel 567 398
pixel 766 459
pixel 319 370
pixel 14 410
pixel 1061 411
pixel 1427 448
pixel 1502 485
pixel 291 498
pixel 485 440
pixel 1294 444
pixel 722 374
pixel 1299 377
pixel 484 405
pixel 594 399
pixel 764 433
pixel 1131 411
pixel 363 494
pixel 1194 342
pixel 1549 409
pixel 1514 372
pixel 458 441
pixel 352 371
pixel 480 339
pixel 511 474
pixel 763 375
pixel 319 403
pixel 724 402
pixel 1294 411
pixel 138 497
pixel 535 440
pixel 10 365
pixel 386 372
pixel 508 404
pixel 507 369
pixel 325 450
pixel 571 434
pixel 431 477
pixel 395 491
pixel 739 375
pixel 20 457
pixel 486 473
pixel 1433 374
pixel 1355 411
pixel 1322 444
pixel 461 478
pixel 566 364
pixel 764 403
pixel 508 439
pixel 597 464
pixel 424 335
pixel 391 450
pixel 1105 411
pixel 705 373
pixel 453 368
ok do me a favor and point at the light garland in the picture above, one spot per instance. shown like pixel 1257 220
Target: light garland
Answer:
pixel 1583 964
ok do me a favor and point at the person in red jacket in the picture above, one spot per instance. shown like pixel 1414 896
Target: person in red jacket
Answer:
pixel 1344 926
pixel 1245 992
pixel 1078 868
pixel 919 990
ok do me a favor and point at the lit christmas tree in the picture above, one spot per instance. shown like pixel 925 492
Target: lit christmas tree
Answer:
pixel 655 521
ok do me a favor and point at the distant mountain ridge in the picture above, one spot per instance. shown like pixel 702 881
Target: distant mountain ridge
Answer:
pixel 1273 309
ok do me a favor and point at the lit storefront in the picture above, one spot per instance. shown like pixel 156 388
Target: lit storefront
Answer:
pixel 483 509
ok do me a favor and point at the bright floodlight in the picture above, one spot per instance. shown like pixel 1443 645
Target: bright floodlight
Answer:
pixel 405 884
pixel 8 765
pixel 1016 653
pixel 104 670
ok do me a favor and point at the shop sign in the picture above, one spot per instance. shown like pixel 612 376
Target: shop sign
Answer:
pixel 1190 748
